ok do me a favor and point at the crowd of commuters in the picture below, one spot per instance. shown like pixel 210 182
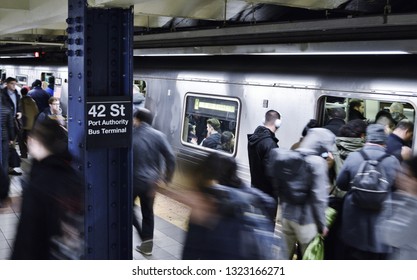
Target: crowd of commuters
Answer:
pixel 360 232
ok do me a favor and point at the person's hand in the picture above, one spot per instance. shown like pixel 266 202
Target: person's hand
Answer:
pixel 324 232
pixel 406 153
pixel 18 115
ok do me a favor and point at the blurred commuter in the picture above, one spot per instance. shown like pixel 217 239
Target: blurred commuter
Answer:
pixel 213 138
pixel 53 111
pixel 356 110
pixel 151 151
pixel 359 221
pixel 40 96
pixel 50 224
pixel 29 114
pixel 302 222
pixel 399 226
pixel 397 111
pixel 399 140
pixel 217 228
pixel 337 120
pixel 260 144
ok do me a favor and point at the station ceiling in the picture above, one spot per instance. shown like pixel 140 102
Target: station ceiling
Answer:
pixel 30 24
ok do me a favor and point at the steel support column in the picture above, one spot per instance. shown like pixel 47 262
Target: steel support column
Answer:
pixel 100 69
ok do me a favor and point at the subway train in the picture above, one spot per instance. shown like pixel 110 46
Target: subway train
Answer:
pixel 183 92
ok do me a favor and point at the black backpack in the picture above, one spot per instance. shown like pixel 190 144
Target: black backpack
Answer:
pixel 292 174
pixel 370 187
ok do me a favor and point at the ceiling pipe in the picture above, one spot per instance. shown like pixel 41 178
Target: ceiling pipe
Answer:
pixel 33 43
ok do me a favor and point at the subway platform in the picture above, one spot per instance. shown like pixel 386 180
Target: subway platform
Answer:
pixel 171 218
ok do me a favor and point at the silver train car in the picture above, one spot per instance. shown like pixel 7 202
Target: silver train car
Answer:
pixel 184 91
pixel 238 90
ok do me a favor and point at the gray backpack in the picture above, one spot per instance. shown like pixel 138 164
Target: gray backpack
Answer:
pixel 291 175
pixel 370 187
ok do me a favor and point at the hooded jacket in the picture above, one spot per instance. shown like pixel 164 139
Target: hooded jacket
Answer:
pixel 260 143
pixel 316 142
pixel 359 225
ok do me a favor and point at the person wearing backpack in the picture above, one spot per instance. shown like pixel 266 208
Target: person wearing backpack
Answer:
pixel 368 177
pixel 301 178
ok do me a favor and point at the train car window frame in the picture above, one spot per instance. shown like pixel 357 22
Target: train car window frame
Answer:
pixel 22 79
pixel 228 113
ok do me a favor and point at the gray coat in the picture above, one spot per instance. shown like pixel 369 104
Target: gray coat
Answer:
pixel 153 158
pixel 316 142
pixel 359 225
pixel 399 227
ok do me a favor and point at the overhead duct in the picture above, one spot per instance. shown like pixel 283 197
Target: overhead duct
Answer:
pixel 33 43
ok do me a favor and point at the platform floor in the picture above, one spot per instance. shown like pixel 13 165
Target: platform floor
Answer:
pixel 171 218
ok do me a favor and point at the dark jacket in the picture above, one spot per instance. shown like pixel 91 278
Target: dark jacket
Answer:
pixel 260 143
pixel 150 148
pixel 395 145
pixel 355 114
pixel 212 141
pixel 53 190
pixel 334 125
pixel 7 101
pixel 359 226
pixel 41 98
pixel 7 124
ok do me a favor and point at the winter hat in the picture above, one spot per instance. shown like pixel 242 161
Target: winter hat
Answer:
pixel 375 133
pixel 37 83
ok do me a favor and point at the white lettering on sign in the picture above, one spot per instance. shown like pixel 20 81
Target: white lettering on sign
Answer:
pixel 99 111
pixel 109 121
pixel 117 110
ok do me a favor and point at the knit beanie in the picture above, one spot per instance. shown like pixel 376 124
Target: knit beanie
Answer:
pixel 375 133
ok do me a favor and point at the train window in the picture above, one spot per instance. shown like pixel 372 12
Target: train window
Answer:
pixel 141 86
pixel 139 93
pixel 387 112
pixel 22 80
pixel 45 76
pixel 210 122
pixel 3 74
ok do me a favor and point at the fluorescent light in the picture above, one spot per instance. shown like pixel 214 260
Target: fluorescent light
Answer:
pixel 335 53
